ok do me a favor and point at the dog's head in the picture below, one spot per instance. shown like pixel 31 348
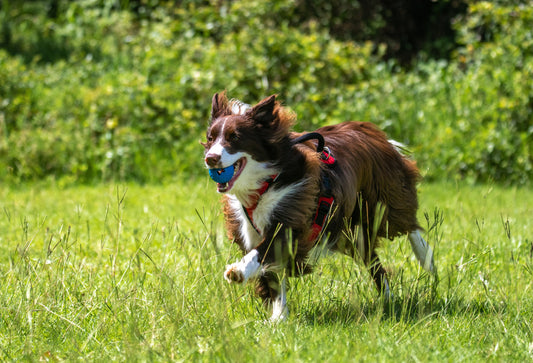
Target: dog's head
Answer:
pixel 245 141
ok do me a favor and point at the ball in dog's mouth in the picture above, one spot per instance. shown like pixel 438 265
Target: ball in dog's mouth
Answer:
pixel 222 175
pixel 226 177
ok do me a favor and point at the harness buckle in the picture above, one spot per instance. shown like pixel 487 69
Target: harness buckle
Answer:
pixel 322 212
pixel 327 158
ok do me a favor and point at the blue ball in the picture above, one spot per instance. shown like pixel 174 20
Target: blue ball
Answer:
pixel 222 175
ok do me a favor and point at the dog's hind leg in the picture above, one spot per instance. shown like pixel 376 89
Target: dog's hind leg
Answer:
pixel 358 247
pixel 422 250
pixel 379 274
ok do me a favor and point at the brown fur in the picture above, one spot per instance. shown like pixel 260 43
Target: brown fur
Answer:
pixel 370 173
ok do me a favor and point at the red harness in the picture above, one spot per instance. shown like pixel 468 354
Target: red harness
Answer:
pixel 325 201
pixel 259 192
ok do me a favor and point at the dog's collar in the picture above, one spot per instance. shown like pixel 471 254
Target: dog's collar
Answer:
pixel 249 211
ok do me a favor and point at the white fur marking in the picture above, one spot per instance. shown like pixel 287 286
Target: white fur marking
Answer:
pixel 279 305
pixel 251 177
pixel 422 250
pixel 269 201
pixel 238 107
pixel 217 148
pixel 250 237
pixel 397 145
pixel 226 159
pixel 248 267
pixel 262 213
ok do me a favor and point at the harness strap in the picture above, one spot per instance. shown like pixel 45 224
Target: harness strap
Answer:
pixel 311 136
pixel 325 200
pixel 325 204
pixel 262 190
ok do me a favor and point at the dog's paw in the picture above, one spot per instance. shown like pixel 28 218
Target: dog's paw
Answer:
pixel 279 314
pixel 234 274
pixel 243 270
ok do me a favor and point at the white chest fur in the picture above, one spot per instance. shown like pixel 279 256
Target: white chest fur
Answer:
pixel 262 215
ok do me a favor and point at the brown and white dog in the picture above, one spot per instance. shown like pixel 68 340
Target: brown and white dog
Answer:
pixel 285 198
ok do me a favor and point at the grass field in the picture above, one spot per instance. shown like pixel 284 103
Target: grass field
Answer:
pixel 128 272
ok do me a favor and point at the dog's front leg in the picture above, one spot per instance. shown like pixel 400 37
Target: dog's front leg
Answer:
pixel 248 267
pixel 253 263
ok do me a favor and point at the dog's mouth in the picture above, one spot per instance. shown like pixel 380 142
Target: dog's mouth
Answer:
pixel 239 167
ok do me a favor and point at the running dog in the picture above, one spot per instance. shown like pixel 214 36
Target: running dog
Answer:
pixel 339 188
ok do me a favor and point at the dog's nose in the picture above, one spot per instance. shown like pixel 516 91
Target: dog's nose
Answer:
pixel 212 159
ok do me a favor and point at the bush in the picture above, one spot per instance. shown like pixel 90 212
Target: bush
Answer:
pixel 491 97
pixel 126 95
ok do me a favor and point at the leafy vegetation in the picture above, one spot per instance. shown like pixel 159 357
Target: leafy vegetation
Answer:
pixel 90 90
pixel 133 273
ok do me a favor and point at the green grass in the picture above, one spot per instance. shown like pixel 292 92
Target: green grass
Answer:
pixel 128 272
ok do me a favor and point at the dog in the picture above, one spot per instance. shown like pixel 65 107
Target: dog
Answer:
pixel 287 194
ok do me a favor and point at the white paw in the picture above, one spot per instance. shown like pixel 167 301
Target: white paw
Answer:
pixel 279 314
pixel 243 270
pixel 233 273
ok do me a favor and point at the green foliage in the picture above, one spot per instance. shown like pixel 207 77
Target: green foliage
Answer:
pixel 102 92
pixel 496 92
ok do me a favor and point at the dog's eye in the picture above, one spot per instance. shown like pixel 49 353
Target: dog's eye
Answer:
pixel 233 136
pixel 210 138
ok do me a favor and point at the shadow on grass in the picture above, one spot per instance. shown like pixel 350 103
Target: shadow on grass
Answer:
pixel 410 307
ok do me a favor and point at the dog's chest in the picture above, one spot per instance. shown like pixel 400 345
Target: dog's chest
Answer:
pixel 254 225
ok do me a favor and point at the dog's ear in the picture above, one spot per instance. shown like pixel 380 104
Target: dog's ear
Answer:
pixel 219 106
pixel 263 112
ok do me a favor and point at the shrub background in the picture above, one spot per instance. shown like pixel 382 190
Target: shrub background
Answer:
pixel 98 90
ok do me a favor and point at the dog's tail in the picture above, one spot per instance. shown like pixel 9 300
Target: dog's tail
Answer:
pixel 401 148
